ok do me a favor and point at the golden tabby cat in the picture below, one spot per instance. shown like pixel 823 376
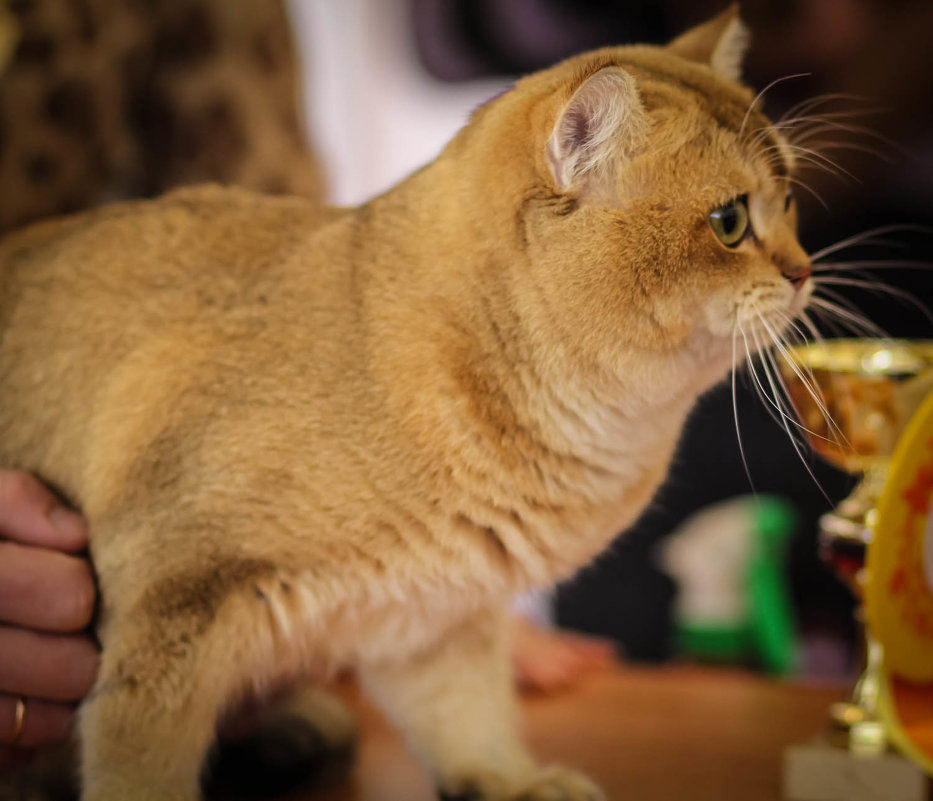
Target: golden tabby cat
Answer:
pixel 306 441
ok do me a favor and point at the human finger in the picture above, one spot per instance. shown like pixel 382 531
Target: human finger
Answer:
pixel 31 513
pixel 53 667
pixel 30 722
pixel 45 589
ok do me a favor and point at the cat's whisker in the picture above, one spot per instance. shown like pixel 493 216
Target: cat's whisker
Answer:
pixel 787 428
pixel 735 406
pixel 859 239
pixel 811 132
pixel 769 404
pixel 820 160
pixel 805 126
pixel 793 329
pixel 834 434
pixel 807 379
pixel 805 106
pixel 803 185
pixel 773 402
pixel 778 337
pixel 761 94
pixel 866 326
pixel 798 126
pixel 857 147
pixel 806 156
pixel 811 327
pixel 845 313
pixel 877 287
pixel 829 322
pixel 853 320
pixel 866 243
pixel 855 266
pixel 782 397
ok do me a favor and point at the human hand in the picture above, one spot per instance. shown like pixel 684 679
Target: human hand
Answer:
pixel 552 660
pixel 47 597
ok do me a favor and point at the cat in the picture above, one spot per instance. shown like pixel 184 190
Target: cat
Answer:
pixel 307 439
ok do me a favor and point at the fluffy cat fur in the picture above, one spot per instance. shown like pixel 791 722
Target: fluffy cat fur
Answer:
pixel 309 439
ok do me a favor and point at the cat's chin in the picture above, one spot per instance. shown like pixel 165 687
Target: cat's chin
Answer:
pixel 801 299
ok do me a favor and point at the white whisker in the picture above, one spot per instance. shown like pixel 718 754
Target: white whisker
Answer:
pixel 857 322
pixel 787 428
pixel 802 185
pixel 770 404
pixel 735 411
pixel 872 265
pixel 783 416
pixel 877 287
pixel 821 160
pixel 805 106
pixel 758 97
pixel 858 239
pixel 814 332
pixel 807 379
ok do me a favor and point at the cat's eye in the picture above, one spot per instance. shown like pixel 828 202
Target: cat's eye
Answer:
pixel 788 199
pixel 730 222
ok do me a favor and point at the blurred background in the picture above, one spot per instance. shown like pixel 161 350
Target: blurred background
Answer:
pixel 107 99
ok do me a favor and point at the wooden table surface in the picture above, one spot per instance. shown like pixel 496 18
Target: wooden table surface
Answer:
pixel 644 734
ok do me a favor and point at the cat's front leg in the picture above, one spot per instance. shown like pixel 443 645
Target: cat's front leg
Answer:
pixel 456 707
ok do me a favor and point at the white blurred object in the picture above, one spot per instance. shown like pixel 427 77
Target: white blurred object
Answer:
pixel 373 113
pixel 537 606
pixel 707 556
pixel 733 602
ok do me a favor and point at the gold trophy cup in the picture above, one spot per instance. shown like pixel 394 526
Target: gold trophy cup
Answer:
pixel 854 398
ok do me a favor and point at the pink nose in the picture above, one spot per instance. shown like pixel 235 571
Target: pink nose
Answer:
pixel 797 274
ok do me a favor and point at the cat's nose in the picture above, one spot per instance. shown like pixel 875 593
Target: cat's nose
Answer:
pixel 797 274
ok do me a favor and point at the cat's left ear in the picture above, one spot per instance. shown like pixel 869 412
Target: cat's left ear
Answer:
pixel 603 124
pixel 719 43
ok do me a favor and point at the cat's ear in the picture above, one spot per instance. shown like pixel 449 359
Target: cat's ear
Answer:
pixel 720 43
pixel 602 123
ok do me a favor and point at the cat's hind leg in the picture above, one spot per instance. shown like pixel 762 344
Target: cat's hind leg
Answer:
pixel 454 702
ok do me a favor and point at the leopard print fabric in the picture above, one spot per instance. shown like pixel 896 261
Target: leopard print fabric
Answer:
pixel 111 99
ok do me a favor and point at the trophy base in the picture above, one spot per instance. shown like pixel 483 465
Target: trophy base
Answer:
pixel 826 770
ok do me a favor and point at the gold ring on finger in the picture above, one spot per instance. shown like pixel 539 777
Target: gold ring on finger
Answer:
pixel 19 720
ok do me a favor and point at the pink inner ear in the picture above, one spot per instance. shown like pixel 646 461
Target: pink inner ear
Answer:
pixel 576 128
pixel 603 119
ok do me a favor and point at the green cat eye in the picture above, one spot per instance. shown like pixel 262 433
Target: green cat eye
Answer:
pixel 730 222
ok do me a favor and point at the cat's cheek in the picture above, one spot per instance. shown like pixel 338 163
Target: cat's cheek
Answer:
pixel 720 314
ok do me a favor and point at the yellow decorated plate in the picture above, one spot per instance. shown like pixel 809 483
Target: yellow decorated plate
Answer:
pixel 906 709
pixel 899 589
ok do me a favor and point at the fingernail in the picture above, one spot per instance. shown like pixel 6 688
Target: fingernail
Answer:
pixel 69 524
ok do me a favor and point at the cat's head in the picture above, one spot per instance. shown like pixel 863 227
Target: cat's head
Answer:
pixel 663 219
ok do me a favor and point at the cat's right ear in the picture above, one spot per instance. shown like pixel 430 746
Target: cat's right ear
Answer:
pixel 603 123
pixel 720 43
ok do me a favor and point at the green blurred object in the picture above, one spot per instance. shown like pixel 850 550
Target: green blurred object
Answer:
pixel 734 604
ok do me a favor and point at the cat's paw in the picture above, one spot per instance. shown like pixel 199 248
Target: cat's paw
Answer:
pixel 483 786
pixel 560 784
pixel 550 784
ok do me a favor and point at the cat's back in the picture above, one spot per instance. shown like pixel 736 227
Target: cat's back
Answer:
pixel 135 299
pixel 220 231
